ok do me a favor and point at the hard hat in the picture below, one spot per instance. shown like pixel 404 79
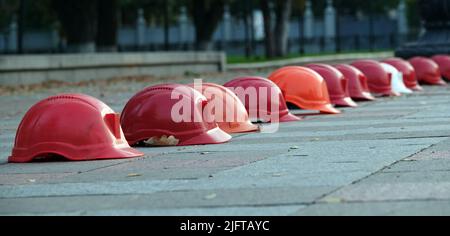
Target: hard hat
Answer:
pixel 229 112
pixel 153 114
pixel 397 84
pixel 357 83
pixel 336 84
pixel 427 71
pixel 304 88
pixel 378 79
pixel 261 111
pixel 75 126
pixel 444 65
pixel 409 74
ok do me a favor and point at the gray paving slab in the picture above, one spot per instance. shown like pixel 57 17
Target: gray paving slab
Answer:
pixel 395 208
pixel 214 198
pixel 220 211
pixel 392 191
pixel 430 176
pixel 433 165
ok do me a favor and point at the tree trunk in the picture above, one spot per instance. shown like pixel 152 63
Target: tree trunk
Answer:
pixel 206 15
pixel 276 37
pixel 107 25
pixel 283 14
pixel 79 21
pixel 268 39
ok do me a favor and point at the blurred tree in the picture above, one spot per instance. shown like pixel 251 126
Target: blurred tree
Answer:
pixel 276 36
pixel 107 18
pixel 414 20
pixel 8 9
pixel 153 9
pixel 79 22
pixel 206 16
pixel 298 7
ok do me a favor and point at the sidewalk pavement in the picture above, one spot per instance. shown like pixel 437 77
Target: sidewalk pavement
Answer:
pixel 388 157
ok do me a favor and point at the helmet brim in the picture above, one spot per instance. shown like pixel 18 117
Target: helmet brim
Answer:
pixel 213 136
pixel 345 102
pixel 289 117
pixel 242 127
pixel 441 82
pixel 328 109
pixel 364 96
pixel 417 87
pixel 98 154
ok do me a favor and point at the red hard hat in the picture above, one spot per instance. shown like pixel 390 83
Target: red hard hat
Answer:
pixel 336 84
pixel 409 74
pixel 234 117
pixel 75 126
pixel 378 79
pixel 152 113
pixel 304 88
pixel 444 65
pixel 427 71
pixel 357 82
pixel 257 112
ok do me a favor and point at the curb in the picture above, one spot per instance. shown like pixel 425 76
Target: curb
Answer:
pixel 305 60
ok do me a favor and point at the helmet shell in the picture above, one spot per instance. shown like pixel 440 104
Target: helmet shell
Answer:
pixel 357 83
pixel 259 110
pixel 378 79
pixel 336 84
pixel 233 117
pixel 157 111
pixel 397 84
pixel 75 126
pixel 304 88
pixel 409 74
pixel 444 65
pixel 427 71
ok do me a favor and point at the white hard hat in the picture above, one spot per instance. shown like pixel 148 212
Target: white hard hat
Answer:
pixel 396 79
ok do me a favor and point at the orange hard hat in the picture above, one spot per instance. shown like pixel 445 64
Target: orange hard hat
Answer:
pixel 233 117
pixel 304 88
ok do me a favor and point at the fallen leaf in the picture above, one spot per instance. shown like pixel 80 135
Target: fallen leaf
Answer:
pixel 133 175
pixel 204 153
pixel 32 180
pixel 276 175
pixel 333 200
pixel 294 147
pixel 210 196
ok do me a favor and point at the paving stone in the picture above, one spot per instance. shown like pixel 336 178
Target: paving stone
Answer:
pixel 390 190
pixel 23 179
pixel 410 177
pixel 220 211
pixel 57 167
pixel 400 208
pixel 167 200
pixel 421 166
